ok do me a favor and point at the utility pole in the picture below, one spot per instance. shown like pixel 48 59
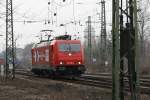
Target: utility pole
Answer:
pixel 10 65
pixel 125 43
pixel 103 47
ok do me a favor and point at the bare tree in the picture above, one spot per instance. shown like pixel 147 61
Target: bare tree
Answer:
pixel 27 55
pixel 144 25
pixel 144 34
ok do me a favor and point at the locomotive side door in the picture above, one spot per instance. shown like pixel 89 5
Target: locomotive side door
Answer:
pixel 51 55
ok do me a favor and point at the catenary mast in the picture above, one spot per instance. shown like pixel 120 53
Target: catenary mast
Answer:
pixel 10 57
pixel 103 47
pixel 125 43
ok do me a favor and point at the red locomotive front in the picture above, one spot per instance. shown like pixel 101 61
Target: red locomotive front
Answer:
pixel 58 57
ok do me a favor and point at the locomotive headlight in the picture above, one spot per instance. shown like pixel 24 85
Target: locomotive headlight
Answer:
pixel 61 62
pixel 70 54
pixel 79 62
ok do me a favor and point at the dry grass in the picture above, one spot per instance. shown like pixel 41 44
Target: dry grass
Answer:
pixel 23 90
pixel 19 89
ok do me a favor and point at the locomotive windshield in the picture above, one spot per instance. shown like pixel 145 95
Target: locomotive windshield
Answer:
pixel 69 47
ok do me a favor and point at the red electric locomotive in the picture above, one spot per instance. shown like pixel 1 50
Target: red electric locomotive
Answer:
pixel 58 56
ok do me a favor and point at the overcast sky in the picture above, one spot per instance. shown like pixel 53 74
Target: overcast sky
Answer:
pixel 37 10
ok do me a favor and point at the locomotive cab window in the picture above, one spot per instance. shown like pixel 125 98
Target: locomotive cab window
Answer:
pixel 69 47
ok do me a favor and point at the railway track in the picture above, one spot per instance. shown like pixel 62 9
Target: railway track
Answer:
pixel 102 80
pixel 144 81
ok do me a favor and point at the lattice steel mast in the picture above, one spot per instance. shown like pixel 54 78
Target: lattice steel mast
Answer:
pixel 10 65
pixel 103 47
pixel 89 38
pixel 125 38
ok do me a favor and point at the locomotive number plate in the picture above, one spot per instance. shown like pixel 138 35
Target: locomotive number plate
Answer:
pixel 70 62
